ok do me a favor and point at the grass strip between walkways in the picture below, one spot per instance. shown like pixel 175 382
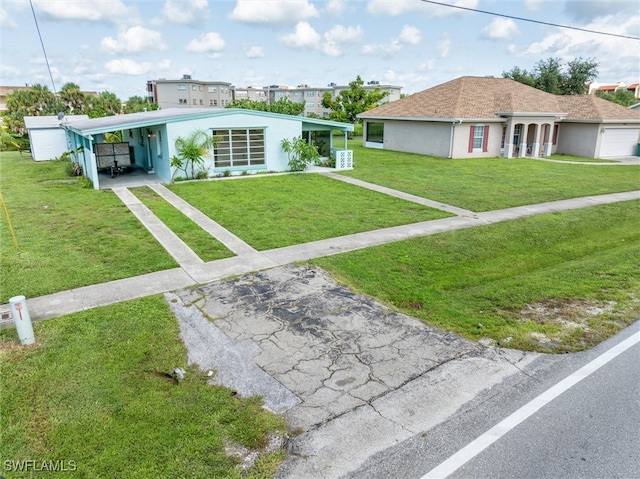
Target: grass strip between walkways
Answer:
pixel 553 282
pixel 201 242
pixel 275 211
pixel 485 184
pixel 93 393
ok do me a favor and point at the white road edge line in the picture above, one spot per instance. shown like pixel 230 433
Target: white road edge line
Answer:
pixel 475 447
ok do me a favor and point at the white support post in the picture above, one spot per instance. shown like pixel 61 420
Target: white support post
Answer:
pixel 22 319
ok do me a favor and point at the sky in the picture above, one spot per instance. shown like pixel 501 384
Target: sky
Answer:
pixel 117 45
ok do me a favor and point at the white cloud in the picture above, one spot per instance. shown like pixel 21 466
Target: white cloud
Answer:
pixel 273 11
pixel 337 37
pixel 304 36
pixel 211 43
pixel 341 34
pixel 126 66
pixel 114 11
pixel 427 66
pixel 383 50
pixel 617 61
pixel 533 5
pixel 7 71
pixel 335 8
pixel 444 46
pixel 408 36
pixel 6 22
pixel 500 29
pixel 83 65
pixel 254 52
pixel 394 8
pixel 185 12
pixel 134 40
pixel 410 81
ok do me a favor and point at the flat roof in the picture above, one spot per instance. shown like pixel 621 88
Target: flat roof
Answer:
pixel 171 115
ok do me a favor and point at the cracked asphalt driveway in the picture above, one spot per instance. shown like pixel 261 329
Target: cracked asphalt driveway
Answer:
pixel 342 368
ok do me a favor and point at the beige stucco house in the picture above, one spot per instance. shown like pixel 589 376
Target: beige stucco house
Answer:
pixel 474 117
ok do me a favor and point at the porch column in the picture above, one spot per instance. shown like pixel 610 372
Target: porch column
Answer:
pixel 547 141
pixel 508 139
pixel 536 145
pixel 523 140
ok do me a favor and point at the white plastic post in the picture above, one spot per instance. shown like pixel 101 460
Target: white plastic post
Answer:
pixel 22 319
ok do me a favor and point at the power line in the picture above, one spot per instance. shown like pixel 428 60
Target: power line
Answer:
pixel 530 20
pixel 46 59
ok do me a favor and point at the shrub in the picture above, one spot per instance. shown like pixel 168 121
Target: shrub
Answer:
pixel 300 153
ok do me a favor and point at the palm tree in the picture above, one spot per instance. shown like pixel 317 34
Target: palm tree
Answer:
pixel 73 99
pixel 192 150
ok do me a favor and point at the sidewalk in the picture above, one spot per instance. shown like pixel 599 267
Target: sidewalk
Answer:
pixel 340 367
pixel 193 270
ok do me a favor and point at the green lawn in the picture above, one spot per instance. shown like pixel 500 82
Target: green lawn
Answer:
pixel 545 274
pixel 201 242
pixel 68 236
pixel 93 392
pixel 579 159
pixel 488 184
pixel 276 211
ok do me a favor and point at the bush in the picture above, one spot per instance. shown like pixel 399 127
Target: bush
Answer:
pixel 300 153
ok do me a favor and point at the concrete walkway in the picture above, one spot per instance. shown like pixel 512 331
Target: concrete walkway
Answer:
pixel 352 376
pixel 193 270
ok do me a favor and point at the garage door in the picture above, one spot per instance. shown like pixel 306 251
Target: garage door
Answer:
pixel 619 142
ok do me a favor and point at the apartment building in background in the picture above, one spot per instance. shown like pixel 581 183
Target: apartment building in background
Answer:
pixel 189 93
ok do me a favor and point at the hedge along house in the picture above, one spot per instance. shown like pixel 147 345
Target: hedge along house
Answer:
pixel 475 117
pixel 246 140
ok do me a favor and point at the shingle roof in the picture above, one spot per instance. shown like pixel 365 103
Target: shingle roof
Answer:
pixel 590 107
pixel 483 98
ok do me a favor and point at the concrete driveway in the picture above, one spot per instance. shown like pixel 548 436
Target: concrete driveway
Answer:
pixel 351 376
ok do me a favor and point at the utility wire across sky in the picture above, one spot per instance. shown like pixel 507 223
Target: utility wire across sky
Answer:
pixel 530 20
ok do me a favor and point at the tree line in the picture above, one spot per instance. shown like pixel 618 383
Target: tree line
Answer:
pixel 552 76
pixel 38 100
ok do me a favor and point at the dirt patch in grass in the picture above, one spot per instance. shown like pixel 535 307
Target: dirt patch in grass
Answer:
pixel 571 314
pixel 566 324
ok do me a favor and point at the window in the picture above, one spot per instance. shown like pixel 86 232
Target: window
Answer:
pixel 223 102
pixel 478 138
pixel 194 101
pixel 215 102
pixel 193 87
pixel 211 103
pixel 182 86
pixel 237 148
pixel 213 89
pixel 555 134
pixel 311 104
pixel 201 101
pixel 375 132
pixel 309 93
pixel 200 87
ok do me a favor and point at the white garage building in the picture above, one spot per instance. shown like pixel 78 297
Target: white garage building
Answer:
pixel 47 138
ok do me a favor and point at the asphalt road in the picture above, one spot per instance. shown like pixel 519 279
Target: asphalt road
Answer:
pixel 590 430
